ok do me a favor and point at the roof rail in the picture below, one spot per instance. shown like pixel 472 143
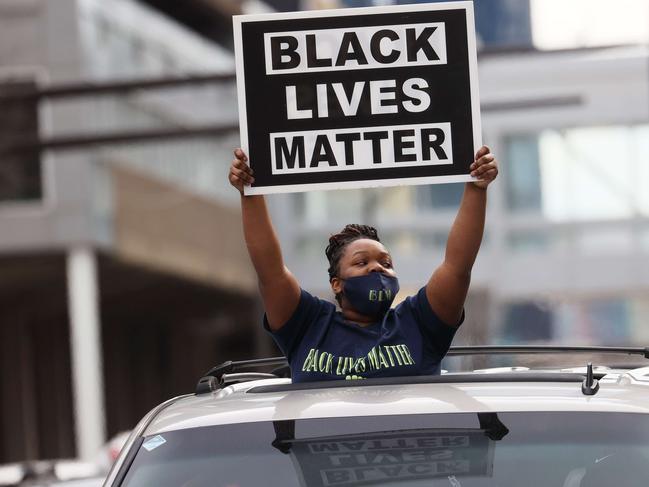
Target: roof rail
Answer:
pixel 213 379
pixel 233 366
pixel 544 349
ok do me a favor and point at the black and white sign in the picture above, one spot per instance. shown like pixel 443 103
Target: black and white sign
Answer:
pixel 392 457
pixel 358 97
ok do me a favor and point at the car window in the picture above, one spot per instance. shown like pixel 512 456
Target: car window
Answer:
pixel 561 449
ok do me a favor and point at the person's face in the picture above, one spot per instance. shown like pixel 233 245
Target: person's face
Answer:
pixel 361 257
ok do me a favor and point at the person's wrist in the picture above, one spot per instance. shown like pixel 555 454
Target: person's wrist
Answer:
pixel 474 184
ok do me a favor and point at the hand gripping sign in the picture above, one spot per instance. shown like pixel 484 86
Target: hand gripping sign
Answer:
pixel 358 98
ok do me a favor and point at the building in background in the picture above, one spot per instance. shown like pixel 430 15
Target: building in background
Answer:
pixel 120 238
pixel 564 258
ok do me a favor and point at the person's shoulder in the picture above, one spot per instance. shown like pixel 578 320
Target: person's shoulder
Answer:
pixel 414 300
pixel 418 306
pixel 307 299
pixel 314 297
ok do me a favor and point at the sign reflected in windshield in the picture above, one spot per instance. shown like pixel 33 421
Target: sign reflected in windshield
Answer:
pixel 395 456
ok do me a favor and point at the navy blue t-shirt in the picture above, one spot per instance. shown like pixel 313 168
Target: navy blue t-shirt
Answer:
pixel 320 345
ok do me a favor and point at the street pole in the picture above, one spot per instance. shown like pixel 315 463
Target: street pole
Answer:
pixel 85 347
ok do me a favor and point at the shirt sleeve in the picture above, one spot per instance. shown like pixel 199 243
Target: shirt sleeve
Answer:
pixel 291 333
pixel 436 334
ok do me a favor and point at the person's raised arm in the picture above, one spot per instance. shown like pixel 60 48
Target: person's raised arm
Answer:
pixel 448 286
pixel 279 289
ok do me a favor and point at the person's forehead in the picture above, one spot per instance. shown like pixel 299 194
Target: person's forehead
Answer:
pixel 365 245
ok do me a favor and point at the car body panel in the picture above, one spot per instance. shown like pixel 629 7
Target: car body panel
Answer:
pixel 498 390
pixel 234 404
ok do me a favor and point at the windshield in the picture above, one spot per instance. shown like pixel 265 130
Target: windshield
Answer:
pixel 456 450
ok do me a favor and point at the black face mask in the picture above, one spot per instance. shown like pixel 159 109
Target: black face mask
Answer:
pixel 371 294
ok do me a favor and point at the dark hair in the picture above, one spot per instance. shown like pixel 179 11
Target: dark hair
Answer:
pixel 339 241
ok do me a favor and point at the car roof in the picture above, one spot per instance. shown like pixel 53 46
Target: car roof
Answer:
pixel 497 390
pixel 226 396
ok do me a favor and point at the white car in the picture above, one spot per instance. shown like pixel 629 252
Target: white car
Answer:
pixel 50 473
pixel 507 427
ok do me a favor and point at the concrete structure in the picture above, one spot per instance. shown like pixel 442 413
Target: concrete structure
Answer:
pixel 122 274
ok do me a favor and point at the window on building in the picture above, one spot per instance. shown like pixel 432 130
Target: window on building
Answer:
pixel 522 174
pixel 20 165
pixel 605 321
pixel 527 322
pixel 612 321
pixel 439 195
pixel 584 173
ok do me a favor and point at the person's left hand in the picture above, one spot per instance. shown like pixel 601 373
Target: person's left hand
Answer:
pixel 484 167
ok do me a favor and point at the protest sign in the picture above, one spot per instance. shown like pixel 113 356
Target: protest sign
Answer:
pixel 393 457
pixel 361 97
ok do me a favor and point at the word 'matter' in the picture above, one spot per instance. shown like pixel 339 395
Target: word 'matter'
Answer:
pixel 343 149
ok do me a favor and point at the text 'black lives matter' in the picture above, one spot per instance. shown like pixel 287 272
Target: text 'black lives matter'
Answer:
pixel 360 48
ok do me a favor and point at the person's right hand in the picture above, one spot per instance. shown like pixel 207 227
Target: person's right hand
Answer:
pixel 240 172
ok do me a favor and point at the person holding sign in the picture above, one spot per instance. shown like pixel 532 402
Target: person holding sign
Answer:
pixel 365 337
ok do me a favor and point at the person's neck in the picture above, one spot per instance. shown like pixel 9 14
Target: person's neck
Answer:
pixel 355 317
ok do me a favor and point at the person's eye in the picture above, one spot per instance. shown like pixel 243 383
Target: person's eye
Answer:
pixel 387 264
pixel 360 263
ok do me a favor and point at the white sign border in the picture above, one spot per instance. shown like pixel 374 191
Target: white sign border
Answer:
pixel 467 6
